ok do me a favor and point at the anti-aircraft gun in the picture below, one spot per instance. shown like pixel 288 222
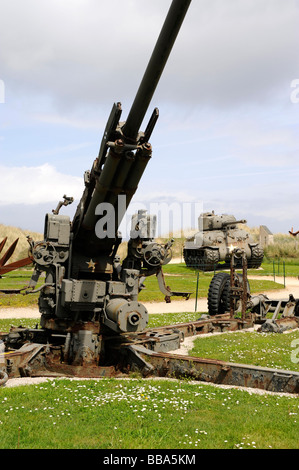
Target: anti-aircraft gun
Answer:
pixel 88 293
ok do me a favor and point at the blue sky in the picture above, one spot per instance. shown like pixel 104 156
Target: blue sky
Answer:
pixel 227 135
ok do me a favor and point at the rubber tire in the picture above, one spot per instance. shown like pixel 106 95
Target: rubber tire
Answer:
pixel 218 298
pixel 225 297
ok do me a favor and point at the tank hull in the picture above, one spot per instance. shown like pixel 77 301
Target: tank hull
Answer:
pixel 209 249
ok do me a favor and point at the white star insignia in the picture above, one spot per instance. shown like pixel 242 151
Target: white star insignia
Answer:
pixel 91 265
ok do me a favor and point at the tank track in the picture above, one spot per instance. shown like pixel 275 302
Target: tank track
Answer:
pixel 205 259
pixel 257 256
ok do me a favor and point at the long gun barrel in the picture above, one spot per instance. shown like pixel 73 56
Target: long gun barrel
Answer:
pixel 155 66
pixel 124 151
pixel 234 222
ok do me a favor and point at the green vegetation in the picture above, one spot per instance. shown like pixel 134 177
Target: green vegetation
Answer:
pixel 144 414
pixel 177 276
pixel 278 267
pixel 261 349
pixel 164 319
pixel 7 323
pixel 180 278
pixel 155 320
pixel 18 279
pixel 156 414
pixel 284 246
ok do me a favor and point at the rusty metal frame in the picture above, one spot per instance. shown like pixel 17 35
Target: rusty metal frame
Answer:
pixel 4 267
pixel 150 354
pixel 221 372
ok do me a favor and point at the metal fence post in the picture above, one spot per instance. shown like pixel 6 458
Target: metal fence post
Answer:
pixel 196 291
pixel 284 274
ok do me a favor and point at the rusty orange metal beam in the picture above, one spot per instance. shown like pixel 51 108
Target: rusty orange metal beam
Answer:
pixel 8 253
pixel 17 264
pixel 3 243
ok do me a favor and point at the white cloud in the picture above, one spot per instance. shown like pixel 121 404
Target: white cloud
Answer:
pixel 37 185
pixel 77 51
pixel 224 96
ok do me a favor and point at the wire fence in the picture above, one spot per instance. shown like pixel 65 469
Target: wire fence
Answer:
pixel 274 268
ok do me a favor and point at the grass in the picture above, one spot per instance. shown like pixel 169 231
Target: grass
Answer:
pixel 17 280
pixel 182 279
pixel 157 414
pixel 261 349
pixel 177 276
pixel 13 233
pixel 144 414
pixel 7 323
pixel 157 320
pixel 284 246
pixel 281 267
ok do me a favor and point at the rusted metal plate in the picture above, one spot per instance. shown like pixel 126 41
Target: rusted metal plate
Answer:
pixel 17 360
pixel 38 360
pixel 2 243
pixel 217 323
pixel 220 372
pixel 65 370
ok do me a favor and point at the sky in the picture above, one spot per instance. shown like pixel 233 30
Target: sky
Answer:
pixel 227 134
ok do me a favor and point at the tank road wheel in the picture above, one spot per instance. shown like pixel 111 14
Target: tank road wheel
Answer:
pixel 210 259
pixel 188 258
pixel 218 294
pixel 257 255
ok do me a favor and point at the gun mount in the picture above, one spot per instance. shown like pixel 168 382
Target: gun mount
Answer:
pixel 87 292
pixel 209 249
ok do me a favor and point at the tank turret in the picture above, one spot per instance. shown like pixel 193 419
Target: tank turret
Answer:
pixel 210 221
pixel 209 248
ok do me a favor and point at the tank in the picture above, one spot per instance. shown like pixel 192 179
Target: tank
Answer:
pixel 209 248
